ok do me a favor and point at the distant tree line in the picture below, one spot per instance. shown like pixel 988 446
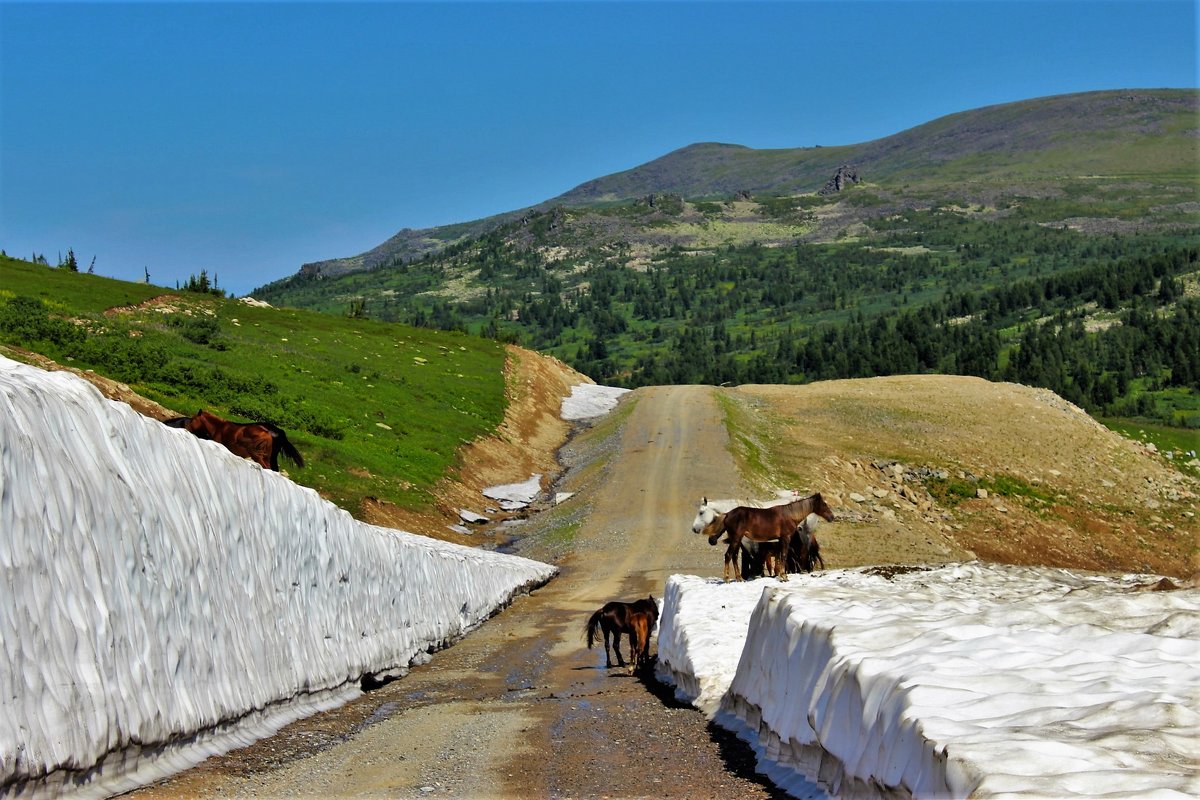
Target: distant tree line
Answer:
pixel 1154 339
pixel 1099 319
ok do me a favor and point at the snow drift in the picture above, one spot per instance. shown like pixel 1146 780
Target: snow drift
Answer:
pixel 162 599
pixel 964 680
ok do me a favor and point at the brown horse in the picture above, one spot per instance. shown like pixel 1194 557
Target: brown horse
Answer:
pixel 767 524
pixel 636 619
pixel 261 442
pixel 760 558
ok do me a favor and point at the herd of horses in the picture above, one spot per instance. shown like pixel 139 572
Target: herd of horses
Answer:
pixel 776 537
pixel 261 442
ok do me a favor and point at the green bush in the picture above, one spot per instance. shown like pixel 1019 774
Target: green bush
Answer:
pixel 201 330
pixel 26 320
pixel 122 356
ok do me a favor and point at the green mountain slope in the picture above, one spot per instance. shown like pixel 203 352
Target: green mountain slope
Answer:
pixel 377 410
pixel 1052 243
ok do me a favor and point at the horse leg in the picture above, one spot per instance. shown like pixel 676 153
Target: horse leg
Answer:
pixel 731 555
pixel 639 643
pixel 785 538
pixel 261 449
pixel 633 646
pixel 768 554
pixel 607 635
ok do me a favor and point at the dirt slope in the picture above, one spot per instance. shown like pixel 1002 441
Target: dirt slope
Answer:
pixel 1062 490
pixel 526 444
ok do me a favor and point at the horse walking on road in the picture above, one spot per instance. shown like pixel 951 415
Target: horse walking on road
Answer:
pixel 636 620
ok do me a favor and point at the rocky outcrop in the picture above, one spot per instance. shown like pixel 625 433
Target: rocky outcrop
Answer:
pixel 845 174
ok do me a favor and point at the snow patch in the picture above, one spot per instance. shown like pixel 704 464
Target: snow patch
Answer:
pixel 514 496
pixel 588 401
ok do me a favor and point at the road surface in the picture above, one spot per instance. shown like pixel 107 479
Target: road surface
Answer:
pixel 521 708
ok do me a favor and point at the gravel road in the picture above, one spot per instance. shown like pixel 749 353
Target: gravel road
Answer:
pixel 521 708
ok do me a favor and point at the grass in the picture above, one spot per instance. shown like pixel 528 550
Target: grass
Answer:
pixel 949 492
pixel 747 434
pixel 1177 442
pixel 377 409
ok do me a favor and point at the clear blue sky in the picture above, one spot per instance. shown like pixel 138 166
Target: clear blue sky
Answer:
pixel 247 139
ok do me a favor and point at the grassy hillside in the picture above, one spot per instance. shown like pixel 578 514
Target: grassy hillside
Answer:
pixel 1101 309
pixel 1051 242
pixel 377 410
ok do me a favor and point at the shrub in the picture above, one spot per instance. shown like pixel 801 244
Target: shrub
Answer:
pixel 27 320
pixel 201 330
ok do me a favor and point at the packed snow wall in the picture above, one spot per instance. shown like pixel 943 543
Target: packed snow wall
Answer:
pixel 962 680
pixel 158 592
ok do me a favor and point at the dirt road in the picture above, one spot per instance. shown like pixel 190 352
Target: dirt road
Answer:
pixel 521 708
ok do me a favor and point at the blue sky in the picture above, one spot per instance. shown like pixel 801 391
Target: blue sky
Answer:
pixel 247 139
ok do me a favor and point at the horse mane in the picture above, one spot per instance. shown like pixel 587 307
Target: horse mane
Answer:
pixel 725 506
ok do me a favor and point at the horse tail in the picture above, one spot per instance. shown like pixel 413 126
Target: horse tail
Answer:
pixel 593 625
pixel 814 555
pixel 280 444
pixel 288 449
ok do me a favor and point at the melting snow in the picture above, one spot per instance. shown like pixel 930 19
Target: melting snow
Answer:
pixel 965 680
pixel 588 400
pixel 162 599
pixel 513 496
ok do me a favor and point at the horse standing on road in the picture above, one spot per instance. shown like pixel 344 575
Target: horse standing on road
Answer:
pixel 759 558
pixel 762 525
pixel 636 619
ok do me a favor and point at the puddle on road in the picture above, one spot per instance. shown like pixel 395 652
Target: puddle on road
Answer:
pixel 385 711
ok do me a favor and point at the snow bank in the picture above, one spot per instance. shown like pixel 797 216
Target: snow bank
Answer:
pixel 965 680
pixel 153 586
pixel 588 400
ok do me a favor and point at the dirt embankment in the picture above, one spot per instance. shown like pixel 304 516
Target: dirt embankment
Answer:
pixel 526 444
pixel 935 467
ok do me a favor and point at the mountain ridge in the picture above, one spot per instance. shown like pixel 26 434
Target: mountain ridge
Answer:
pixel 1037 139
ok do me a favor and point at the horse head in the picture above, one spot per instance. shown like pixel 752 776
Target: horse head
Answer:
pixel 821 508
pixel 714 528
pixel 200 424
pixel 704 516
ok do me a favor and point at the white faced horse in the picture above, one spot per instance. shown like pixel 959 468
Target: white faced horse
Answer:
pixel 710 509
pixel 710 517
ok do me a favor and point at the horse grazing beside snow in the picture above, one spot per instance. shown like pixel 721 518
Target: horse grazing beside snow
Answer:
pixel 636 619
pixel 751 527
pixel 261 442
